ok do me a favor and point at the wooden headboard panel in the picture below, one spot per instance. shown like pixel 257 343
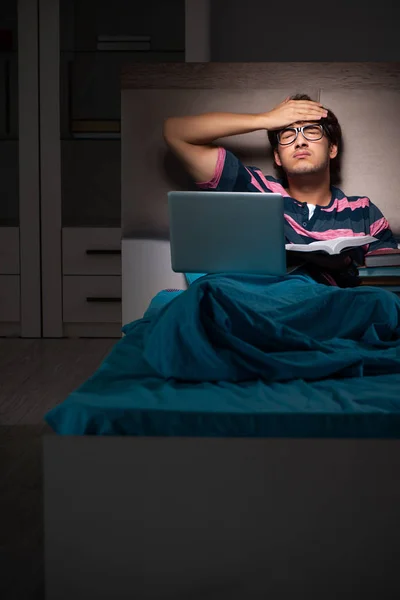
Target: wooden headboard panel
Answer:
pixel 364 96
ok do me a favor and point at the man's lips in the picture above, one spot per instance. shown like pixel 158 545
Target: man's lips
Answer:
pixel 300 154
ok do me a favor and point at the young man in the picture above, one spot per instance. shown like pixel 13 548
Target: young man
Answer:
pixel 307 142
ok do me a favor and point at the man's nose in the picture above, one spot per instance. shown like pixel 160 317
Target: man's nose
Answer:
pixel 301 140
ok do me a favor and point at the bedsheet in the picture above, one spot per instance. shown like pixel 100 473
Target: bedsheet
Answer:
pixel 249 356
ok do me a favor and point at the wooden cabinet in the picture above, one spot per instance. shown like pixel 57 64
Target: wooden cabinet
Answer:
pixel 19 170
pixel 90 72
pixel 91 281
pixel 60 206
pixel 94 299
pixel 91 251
pixel 89 193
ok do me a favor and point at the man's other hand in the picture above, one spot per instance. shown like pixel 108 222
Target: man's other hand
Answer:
pixel 336 262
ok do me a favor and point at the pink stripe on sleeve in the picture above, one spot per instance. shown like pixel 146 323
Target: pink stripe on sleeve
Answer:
pixel 276 188
pixel 343 203
pixel 378 226
pixel 254 181
pixel 218 171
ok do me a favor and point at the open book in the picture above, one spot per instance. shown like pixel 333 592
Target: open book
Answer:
pixel 335 246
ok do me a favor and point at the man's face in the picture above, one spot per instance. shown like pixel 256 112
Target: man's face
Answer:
pixel 317 154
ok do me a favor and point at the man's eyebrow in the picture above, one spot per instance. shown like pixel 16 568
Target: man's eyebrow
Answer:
pixel 316 121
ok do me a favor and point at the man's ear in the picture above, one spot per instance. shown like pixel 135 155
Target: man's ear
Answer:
pixel 277 158
pixel 333 150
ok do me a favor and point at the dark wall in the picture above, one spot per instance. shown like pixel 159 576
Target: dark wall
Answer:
pixel 258 30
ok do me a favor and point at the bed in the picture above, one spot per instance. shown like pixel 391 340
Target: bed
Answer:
pixel 158 485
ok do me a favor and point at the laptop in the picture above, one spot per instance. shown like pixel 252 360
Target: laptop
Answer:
pixel 230 232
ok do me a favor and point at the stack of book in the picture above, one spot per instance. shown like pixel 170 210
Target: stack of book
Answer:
pixel 382 269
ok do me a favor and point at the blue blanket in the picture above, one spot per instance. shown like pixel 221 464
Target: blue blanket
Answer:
pixel 248 356
pixel 244 327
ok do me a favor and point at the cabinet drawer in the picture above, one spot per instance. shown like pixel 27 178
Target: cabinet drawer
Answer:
pixel 9 298
pixel 92 299
pixel 91 251
pixel 9 250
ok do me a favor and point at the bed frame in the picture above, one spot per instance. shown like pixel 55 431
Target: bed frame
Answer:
pixel 196 518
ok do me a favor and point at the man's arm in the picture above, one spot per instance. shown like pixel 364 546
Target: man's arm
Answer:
pixel 191 137
pixel 380 229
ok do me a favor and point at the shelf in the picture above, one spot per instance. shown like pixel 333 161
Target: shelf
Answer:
pixel 95 129
pixel 94 138
pixel 141 52
pixel 92 223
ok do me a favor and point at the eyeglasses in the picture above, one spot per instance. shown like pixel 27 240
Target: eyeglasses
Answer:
pixel 310 132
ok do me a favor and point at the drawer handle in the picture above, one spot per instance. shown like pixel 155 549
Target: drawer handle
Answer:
pixel 105 251
pixel 99 299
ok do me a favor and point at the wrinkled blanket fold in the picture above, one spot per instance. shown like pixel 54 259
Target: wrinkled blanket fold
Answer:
pixel 246 327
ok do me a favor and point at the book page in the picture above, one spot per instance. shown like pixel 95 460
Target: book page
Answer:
pixel 333 246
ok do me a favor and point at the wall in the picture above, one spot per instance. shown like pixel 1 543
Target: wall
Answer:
pixel 257 30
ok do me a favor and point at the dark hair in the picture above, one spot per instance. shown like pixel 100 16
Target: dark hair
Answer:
pixel 333 132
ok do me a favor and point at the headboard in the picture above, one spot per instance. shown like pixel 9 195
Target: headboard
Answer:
pixel 364 96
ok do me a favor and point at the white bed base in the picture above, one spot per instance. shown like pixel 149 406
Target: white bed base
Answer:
pixel 202 518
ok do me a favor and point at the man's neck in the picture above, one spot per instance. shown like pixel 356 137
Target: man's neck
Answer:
pixel 310 190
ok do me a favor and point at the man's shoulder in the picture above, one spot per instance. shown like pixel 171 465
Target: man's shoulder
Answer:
pixel 360 200
pixel 259 171
pixel 269 183
pixel 229 155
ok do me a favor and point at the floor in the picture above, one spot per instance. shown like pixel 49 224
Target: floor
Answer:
pixel 35 375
